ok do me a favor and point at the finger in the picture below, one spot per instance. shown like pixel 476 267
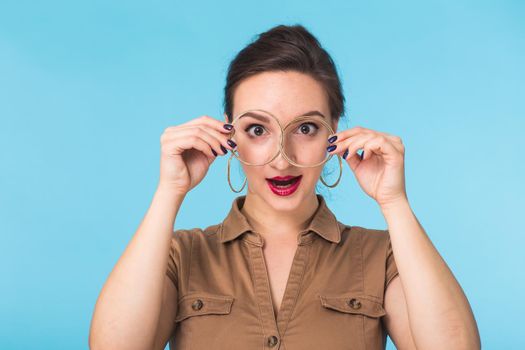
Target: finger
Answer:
pixel 345 144
pixel 397 142
pixel 179 145
pixel 342 146
pixel 185 138
pixel 381 146
pixel 353 160
pixel 352 132
pixel 209 121
pixel 357 130
pixel 221 139
pixel 220 146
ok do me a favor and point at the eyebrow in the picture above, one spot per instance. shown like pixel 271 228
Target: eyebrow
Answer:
pixel 311 113
pixel 256 116
pixel 264 118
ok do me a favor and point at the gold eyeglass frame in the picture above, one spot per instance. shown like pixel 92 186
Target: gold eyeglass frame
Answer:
pixel 281 148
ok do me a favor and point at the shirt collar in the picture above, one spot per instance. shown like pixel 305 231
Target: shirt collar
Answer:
pixel 324 222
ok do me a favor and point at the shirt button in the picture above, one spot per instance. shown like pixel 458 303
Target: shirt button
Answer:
pixel 197 305
pixel 272 341
pixel 354 303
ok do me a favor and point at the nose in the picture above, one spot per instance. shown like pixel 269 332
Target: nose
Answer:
pixel 280 162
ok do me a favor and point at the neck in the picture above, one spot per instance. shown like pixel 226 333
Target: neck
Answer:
pixel 278 224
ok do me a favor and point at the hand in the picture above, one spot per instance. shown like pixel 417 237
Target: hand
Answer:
pixel 381 172
pixel 187 150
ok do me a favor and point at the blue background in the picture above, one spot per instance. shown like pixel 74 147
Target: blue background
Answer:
pixel 87 88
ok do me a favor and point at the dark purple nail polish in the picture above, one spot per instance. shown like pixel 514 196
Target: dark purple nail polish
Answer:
pixel 224 149
pixel 362 155
pixel 345 154
pixel 214 153
pixel 332 139
pixel 231 143
pixel 228 126
pixel 331 148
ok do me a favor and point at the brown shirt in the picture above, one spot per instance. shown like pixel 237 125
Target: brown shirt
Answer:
pixel 333 298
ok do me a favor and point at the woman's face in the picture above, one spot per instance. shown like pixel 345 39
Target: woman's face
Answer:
pixel 286 95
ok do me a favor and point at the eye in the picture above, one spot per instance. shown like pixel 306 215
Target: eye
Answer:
pixel 306 127
pixel 258 129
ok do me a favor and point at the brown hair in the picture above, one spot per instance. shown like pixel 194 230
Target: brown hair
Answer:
pixel 285 48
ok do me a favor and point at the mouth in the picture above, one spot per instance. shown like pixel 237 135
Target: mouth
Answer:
pixel 284 186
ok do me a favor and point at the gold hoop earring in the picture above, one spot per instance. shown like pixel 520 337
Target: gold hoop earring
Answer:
pixel 229 181
pixel 340 173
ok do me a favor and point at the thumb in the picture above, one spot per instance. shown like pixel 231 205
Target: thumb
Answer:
pixel 353 160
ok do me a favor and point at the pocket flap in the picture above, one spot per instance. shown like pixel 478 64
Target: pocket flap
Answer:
pixel 353 304
pixel 203 303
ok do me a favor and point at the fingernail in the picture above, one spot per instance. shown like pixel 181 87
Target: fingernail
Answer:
pixel 214 153
pixel 345 154
pixel 331 148
pixel 231 143
pixel 332 139
pixel 224 149
pixel 228 126
pixel 362 155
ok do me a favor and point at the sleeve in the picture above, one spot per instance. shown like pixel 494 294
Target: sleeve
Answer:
pixel 391 267
pixel 173 260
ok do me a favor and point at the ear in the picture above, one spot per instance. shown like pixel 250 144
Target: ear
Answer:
pixel 334 125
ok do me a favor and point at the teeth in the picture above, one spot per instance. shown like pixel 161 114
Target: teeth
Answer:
pixel 284 184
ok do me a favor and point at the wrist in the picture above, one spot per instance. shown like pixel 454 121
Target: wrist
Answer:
pixel 394 205
pixel 169 192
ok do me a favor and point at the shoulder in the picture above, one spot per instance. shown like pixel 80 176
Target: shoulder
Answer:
pixel 375 255
pixel 368 238
pixel 185 238
pixel 373 245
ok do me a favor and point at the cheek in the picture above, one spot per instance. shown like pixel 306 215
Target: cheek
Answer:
pixel 312 174
pixel 253 173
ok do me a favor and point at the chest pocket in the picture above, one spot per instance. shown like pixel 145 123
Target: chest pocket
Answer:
pixel 203 303
pixel 353 304
pixel 353 320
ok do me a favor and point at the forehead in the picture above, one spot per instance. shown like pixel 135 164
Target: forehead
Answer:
pixel 284 94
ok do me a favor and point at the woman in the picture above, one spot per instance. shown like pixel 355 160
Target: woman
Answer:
pixel 280 271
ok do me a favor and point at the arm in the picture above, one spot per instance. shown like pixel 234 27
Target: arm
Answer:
pixel 436 313
pixel 425 295
pixel 128 310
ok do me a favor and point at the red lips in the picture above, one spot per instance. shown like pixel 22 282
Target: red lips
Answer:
pixel 282 178
pixel 284 191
